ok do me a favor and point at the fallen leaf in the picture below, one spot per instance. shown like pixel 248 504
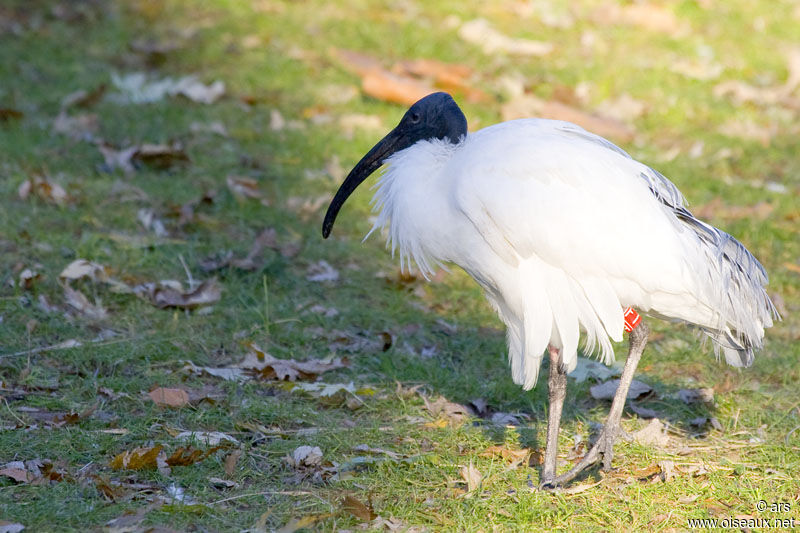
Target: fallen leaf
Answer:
pixel 165 397
pixel 748 130
pixel 491 41
pixel 393 88
pixel 305 456
pixel 740 92
pixel 718 208
pixel 441 407
pixel 231 461
pixel 586 368
pixel 136 459
pixel 689 396
pixel 185 456
pixel 166 294
pixel 148 219
pixel 472 476
pixel 643 412
pixel 653 433
pixel 667 470
pixel 209 438
pixel 82 268
pixel 5 526
pixel 219 483
pixel 27 277
pixel 20 475
pixel 243 187
pixel 606 391
pixel 83 98
pixel 76 300
pixel 514 457
pixel 160 156
pixel 136 88
pixel 322 271
pixel 44 189
pixel 7 114
pixel 261 364
pixel 357 508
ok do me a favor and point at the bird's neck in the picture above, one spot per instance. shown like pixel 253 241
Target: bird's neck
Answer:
pixel 412 200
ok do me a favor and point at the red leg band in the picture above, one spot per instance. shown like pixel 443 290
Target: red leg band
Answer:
pixel 632 319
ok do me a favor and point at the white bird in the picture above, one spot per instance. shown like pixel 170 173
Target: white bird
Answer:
pixel 563 230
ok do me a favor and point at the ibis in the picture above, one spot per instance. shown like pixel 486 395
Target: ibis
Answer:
pixel 567 235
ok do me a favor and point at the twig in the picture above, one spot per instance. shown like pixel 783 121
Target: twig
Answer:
pixel 786 438
pixel 189 277
pixel 12 411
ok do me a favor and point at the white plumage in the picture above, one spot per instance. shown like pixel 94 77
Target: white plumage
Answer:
pixel 563 230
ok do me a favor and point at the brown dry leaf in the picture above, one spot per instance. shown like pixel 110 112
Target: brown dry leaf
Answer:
pixel 261 364
pixel 83 98
pixel 653 433
pixel 7 114
pixel 117 159
pixel 185 456
pixel 514 457
pixel 44 189
pixel 83 268
pixel 527 105
pixel 160 156
pixel 167 293
pixel 448 76
pixel 76 300
pixel 390 87
pixel 164 397
pixel 136 459
pixel 20 475
pixel 357 508
pixel 243 187
pixel 305 456
pixel 231 461
pixel 793 267
pixel 472 476
pixel 266 239
pixel 443 408
pixel 479 32
pixel 624 108
pixel 27 278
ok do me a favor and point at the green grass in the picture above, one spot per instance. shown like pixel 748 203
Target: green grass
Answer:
pixel 279 55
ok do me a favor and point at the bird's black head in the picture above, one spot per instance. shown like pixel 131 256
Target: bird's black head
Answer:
pixel 436 116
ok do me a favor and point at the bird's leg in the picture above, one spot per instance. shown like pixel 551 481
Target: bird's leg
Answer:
pixel 557 386
pixel 605 442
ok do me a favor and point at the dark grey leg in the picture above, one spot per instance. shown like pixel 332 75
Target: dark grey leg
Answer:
pixel 605 442
pixel 557 385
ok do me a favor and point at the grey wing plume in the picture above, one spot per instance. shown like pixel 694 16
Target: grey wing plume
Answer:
pixel 734 282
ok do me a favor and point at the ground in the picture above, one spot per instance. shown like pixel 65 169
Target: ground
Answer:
pixel 128 402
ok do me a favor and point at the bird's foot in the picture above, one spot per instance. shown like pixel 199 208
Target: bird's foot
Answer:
pixel 603 447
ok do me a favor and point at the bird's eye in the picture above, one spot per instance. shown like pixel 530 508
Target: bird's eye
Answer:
pixel 415 117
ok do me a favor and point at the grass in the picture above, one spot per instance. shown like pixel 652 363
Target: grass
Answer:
pixel 277 56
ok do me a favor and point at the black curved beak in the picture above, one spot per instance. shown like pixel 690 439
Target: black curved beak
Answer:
pixel 393 142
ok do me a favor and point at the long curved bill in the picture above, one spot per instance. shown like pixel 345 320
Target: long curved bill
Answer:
pixel 393 142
